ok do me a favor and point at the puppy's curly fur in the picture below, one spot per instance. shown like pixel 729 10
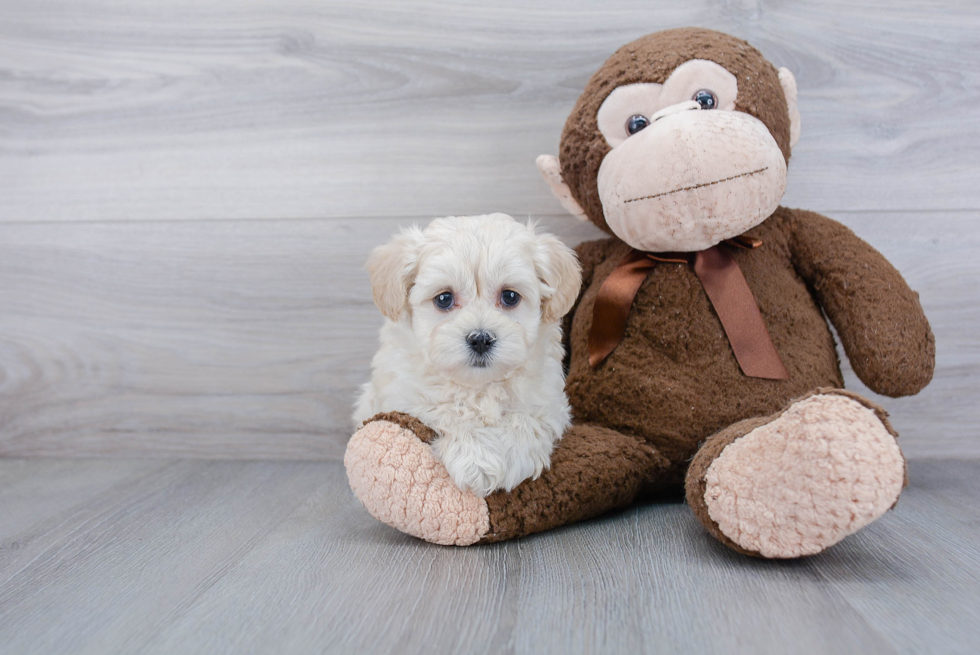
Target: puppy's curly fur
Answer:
pixel 472 343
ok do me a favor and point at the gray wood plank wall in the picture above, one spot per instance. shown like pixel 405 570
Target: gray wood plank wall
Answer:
pixel 188 191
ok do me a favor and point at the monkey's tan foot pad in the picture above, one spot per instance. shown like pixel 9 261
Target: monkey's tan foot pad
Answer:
pixel 397 478
pixel 823 469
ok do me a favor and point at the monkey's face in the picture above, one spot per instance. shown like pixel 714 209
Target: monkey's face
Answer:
pixel 686 170
pixel 679 142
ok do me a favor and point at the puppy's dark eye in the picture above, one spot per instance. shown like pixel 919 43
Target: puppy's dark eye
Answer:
pixel 510 298
pixel 707 99
pixel 444 300
pixel 636 123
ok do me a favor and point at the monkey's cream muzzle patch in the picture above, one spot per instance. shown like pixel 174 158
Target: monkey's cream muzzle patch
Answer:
pixel 690 180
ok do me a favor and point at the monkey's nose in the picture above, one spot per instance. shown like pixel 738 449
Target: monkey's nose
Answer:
pixel 687 105
pixel 480 341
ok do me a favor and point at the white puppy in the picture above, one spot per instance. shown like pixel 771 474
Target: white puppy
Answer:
pixel 472 343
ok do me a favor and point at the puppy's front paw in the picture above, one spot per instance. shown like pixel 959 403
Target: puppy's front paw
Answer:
pixel 473 469
pixel 470 476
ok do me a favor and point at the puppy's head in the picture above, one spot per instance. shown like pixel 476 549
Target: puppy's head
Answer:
pixel 475 291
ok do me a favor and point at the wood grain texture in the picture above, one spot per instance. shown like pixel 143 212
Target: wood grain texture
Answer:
pixel 249 339
pixel 188 191
pixel 271 109
pixel 32 491
pixel 195 519
pixel 249 557
pixel 233 339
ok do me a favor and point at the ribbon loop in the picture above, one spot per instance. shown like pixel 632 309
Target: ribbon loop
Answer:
pixel 726 288
pixel 612 305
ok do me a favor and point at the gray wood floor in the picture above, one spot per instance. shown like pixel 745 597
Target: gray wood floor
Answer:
pixel 178 556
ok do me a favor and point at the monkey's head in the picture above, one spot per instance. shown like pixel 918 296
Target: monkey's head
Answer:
pixel 679 141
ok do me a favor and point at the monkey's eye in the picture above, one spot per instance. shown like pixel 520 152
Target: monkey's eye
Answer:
pixel 636 123
pixel 444 301
pixel 510 298
pixel 705 98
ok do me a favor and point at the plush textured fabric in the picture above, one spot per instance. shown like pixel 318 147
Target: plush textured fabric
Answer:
pixel 592 471
pixel 674 380
pixel 423 432
pixel 659 203
pixel 652 59
pixel 398 480
pixel 653 100
pixel 799 483
pixel 550 170
pixel 788 83
pixel 878 317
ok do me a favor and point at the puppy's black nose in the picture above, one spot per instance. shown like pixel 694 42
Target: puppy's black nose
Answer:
pixel 480 342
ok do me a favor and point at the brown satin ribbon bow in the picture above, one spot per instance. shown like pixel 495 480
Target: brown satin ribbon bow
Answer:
pixel 726 288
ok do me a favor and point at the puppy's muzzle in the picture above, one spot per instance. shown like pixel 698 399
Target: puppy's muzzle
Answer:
pixel 480 342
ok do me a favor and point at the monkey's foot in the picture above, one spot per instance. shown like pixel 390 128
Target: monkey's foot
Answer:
pixel 392 471
pixel 797 482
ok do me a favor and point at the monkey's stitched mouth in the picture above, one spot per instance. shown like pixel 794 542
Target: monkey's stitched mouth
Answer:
pixel 698 186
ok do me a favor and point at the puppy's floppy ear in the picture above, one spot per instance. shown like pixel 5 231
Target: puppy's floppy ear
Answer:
pixel 392 268
pixel 560 274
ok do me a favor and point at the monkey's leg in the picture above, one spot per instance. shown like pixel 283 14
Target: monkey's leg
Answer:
pixel 393 472
pixel 799 481
pixel 593 470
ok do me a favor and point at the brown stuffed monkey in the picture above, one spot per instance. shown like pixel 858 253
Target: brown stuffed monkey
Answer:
pixel 699 355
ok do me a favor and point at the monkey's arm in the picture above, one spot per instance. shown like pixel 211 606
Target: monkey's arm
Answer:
pixel 879 319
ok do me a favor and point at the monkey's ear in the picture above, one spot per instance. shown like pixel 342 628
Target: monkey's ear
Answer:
pixel 561 276
pixel 392 268
pixel 789 90
pixel 550 170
